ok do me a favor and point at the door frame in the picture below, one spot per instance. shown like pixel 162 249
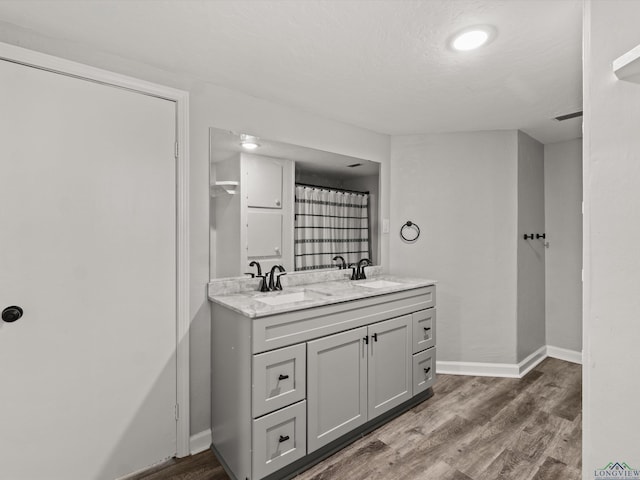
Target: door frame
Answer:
pixel 62 66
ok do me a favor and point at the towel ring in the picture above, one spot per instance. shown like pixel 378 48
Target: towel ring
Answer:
pixel 411 227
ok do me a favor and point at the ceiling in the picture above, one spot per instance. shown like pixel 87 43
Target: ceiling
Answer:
pixel 383 65
pixel 226 145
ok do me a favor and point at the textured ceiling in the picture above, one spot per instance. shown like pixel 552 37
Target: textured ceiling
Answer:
pixel 383 65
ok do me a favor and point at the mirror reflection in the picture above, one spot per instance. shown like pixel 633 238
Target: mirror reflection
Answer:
pixel 280 204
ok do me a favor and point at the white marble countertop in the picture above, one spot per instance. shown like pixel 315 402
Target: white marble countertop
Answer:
pixel 259 304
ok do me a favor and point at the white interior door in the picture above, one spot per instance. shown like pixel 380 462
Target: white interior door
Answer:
pixel 88 250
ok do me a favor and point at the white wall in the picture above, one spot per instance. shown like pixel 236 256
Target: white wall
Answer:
pixel 611 239
pixel 461 189
pixel 563 262
pixel 212 106
pixel 531 253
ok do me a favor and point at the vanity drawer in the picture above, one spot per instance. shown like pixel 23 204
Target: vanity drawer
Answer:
pixel 279 439
pixel 278 379
pixel 424 329
pixel 424 370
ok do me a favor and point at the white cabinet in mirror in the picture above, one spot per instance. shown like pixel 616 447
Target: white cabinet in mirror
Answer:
pixel 283 204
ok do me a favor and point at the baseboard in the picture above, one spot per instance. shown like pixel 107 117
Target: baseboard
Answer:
pixel 564 354
pixel 200 442
pixel 477 369
pixel 529 363
pixel 511 370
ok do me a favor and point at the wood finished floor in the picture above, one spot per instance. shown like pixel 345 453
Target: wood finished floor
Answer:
pixel 473 428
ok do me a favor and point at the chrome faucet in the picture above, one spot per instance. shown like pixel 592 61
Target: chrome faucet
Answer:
pixel 343 264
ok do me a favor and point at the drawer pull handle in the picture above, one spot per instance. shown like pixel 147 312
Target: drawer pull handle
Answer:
pixel 366 339
pixel 283 377
pixel 426 329
pixel 427 370
pixel 283 438
pixel 375 337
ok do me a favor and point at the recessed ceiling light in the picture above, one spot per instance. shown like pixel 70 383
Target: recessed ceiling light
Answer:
pixel 472 38
pixel 249 141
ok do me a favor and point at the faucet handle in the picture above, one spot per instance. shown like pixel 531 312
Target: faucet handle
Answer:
pixel 362 275
pixel 278 284
pixel 354 271
pixel 263 283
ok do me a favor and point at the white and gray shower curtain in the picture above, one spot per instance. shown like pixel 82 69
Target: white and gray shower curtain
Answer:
pixel 329 223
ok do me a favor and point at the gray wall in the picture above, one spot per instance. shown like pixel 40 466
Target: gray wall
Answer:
pixel 531 253
pixel 563 262
pixel 461 189
pixel 213 106
pixel 611 424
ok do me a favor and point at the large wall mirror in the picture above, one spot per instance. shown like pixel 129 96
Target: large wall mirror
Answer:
pixel 283 204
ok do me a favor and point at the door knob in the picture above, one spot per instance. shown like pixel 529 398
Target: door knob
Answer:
pixel 11 314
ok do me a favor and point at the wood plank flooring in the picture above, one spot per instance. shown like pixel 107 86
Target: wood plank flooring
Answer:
pixel 473 428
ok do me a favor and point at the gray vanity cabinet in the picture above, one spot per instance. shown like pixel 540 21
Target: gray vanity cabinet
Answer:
pixel 389 365
pixel 289 388
pixel 354 376
pixel 336 385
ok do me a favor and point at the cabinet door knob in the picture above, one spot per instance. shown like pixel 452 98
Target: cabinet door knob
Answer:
pixel 283 438
pixel 277 203
pixel 283 377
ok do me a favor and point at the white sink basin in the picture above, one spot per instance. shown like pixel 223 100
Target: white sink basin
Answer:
pixel 284 298
pixel 378 284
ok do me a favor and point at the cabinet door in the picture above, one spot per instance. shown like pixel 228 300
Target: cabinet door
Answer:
pixel 336 386
pixel 264 182
pixel 390 364
pixel 264 234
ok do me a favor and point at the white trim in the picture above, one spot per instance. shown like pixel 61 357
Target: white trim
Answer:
pixel 564 354
pixel 477 369
pixel 67 67
pixel 183 270
pixel 510 370
pixel 529 363
pixel 201 441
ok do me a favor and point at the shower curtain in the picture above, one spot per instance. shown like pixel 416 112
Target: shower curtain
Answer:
pixel 328 223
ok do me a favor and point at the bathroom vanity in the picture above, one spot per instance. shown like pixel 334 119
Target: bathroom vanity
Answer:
pixel 300 373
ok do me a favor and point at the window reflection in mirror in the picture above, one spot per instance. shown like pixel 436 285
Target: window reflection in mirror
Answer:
pixel 258 214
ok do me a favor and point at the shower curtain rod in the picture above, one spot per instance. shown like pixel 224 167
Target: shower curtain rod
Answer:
pixel 331 188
